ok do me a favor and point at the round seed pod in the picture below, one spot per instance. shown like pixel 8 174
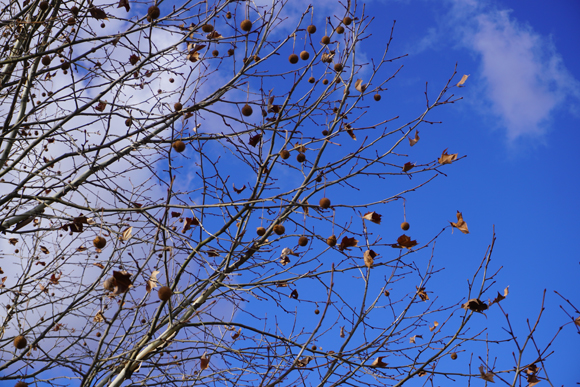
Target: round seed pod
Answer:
pixel 74 10
pixel 325 81
pixel 128 122
pixel 98 334
pixel 71 21
pixel 215 53
pixel 324 203
pixel 284 154
pixel 301 157
pixel 153 13
pixel 304 55
pixel 103 25
pixel 302 241
pixel 319 178
pixel 325 132
pixel 377 97
pixel 347 20
pixel 316 311
pixel 325 40
pixel 293 58
pixel 338 67
pixel 178 146
pixel 311 80
pixel 99 242
pixel 228 15
pixel 65 65
pixel 405 226
pixel 207 28
pixel 43 5
pixel 20 342
pixel 261 231
pixel 164 293
pixel 331 241
pixel 247 110
pixel 177 106
pixel 339 30
pixel 21 384
pixel 279 229
pixel 46 60
pixel 246 25
pixel 311 29
pixel 454 356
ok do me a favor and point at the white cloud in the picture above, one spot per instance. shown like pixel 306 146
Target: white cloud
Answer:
pixel 526 79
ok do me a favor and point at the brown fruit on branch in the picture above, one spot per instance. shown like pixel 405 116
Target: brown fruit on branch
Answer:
pixel 246 25
pixel 284 154
pixel 301 157
pixel 215 53
pixel 340 30
pixel 46 60
pixel 74 10
pixel 43 5
pixel 164 293
pixel 65 65
pixel 347 20
pixel 177 106
pixel 279 229
pixel 325 40
pixel 99 242
pixel 153 13
pixel 311 80
pixel 338 67
pixel 247 110
pixel 128 122
pixel 324 203
pixel 71 21
pixel 178 146
pixel 261 231
pixel 377 97
pixel 228 15
pixel 21 384
pixel 454 356
pixel 331 241
pixel 293 58
pixel 207 28
pixel 302 241
pixel 311 29
pixel 20 342
pixel 405 226
pixel 316 311
pixel 304 55
pixel 325 81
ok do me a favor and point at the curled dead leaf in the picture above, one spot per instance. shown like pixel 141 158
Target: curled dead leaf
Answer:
pixel 122 282
pixel 369 256
pixel 152 281
pixel 413 141
pixel 435 325
pixel 378 363
pixel 462 81
pixel 359 86
pixel 405 241
pixel 127 234
pixel 412 339
pixel 373 217
pixel 347 243
pixel 408 166
pixel 204 362
pixel 422 293
pixel 487 376
pixel 304 361
pixel 447 158
pixel 475 305
pixel 460 225
pixel 294 294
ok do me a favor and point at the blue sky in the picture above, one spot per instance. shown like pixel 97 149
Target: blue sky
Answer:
pixel 518 125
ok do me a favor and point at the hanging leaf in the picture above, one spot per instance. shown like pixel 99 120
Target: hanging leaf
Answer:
pixel 359 86
pixel 54 278
pixel 350 131
pixel 378 363
pixel 255 140
pixel 422 293
pixel 152 281
pixel 81 249
pixel 413 141
pixel 237 334
pixel 475 305
pixel 204 362
pixel 342 334
pixel 101 106
pixel 373 217
pixel 460 225
pixel 271 107
pixel 462 81
pixel 44 250
pixel 347 243
pixel 98 13
pixel 369 256
pixel 487 376
pixel 412 339
pixel 124 3
pixel 127 234
pixel 408 166
pixel 532 380
pixel 500 297
pixel 435 325
pixel 13 241
pixel 405 241
pixel 577 321
pixel 99 317
pixel 304 361
pixel 447 158
pixel 99 265
pixel 327 57
pixel 238 191
pixel 294 294
pixel 122 282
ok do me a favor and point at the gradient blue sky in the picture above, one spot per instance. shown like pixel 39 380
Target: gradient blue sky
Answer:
pixel 519 127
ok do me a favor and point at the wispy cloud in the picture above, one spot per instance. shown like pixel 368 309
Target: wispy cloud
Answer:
pixel 526 79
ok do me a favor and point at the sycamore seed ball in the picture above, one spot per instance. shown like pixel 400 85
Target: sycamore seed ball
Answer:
pixel 128 122
pixel 316 311
pixel 153 13
pixel 99 242
pixel 311 80
pixel 325 40
pixel 453 356
pixel 261 231
pixel 21 384
pixel 20 342
pixel 246 25
pixel 293 58
pixel 331 241
pixel 247 110
pixel 347 20
pixel 311 29
pixel 340 30
pixel 377 97
pixel 284 154
pixel 164 293
pixel 338 67
pixel 302 241
pixel 46 60
pixel 304 55
pixel 405 226
pixel 301 157
pixel 324 203
pixel 228 15
pixel 325 81
pixel 279 229
pixel 177 106
pixel 178 146
pixel 207 28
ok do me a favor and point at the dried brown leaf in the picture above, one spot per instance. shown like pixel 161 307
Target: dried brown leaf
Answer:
pixel 98 13
pixel 532 380
pixel 101 106
pixel 369 256
pixel 413 141
pixel 255 140
pixel 99 265
pixel 475 305
pixel 304 361
pixel 408 166
pixel 152 281
pixel 99 317
pixel 237 334
pixel 422 293
pixel 44 250
pixel 379 363
pixel 81 248
pixel 127 234
pixel 462 81
pixel 405 241
pixel 447 158
pixel 124 3
pixel 122 282
pixel 327 57
pixel 460 225
pixel 487 376
pixel 359 86
pixel 342 333
pixel 238 191
pixel 294 294
pixel 347 243
pixel 500 297
pixel 204 362
pixel 54 278
pixel 577 321
pixel 412 339
pixel 13 241
pixel 435 325
pixel 373 217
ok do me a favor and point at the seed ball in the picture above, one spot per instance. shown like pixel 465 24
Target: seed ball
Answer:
pixel 231 52
pixel 338 67
pixel 128 122
pixel 247 110
pixel 215 53
pixel 331 241
pixel 177 106
pixel 325 81
pixel 21 384
pixel 279 229
pixel 153 13
pixel 171 80
pixel 304 55
pixel 74 10
pixel 340 30
pixel 325 40
pixel 20 342
pixel 98 334
pixel 65 65
pixel 347 20
pixel 377 97
pixel 207 28
pixel 261 231
pixel 103 25
pixel 453 356
pixel 99 242
pixel 319 178
pixel 143 321
pixel 405 226
pixel 256 58
pixel 324 203
pixel 302 241
pixel 228 15
pixel 293 58
pixel 284 154
pixel 178 146
pixel 246 25
pixel 164 293
pixel 316 311
pixel 311 29
pixel 311 80
pixel 43 5
pixel 71 21
pixel 314 346
pixel 46 60
pixel 301 157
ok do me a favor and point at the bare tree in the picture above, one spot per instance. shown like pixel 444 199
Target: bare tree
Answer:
pixel 173 184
